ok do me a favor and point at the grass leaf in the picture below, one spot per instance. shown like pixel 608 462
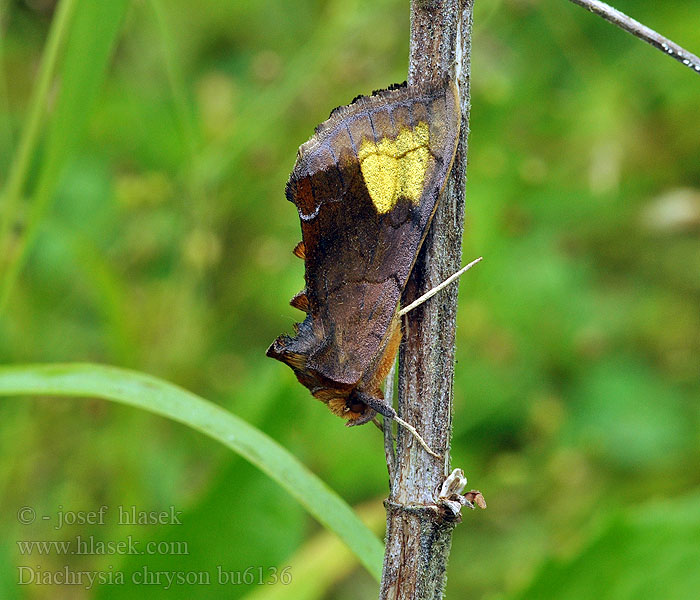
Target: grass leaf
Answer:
pixel 168 400
pixel 90 39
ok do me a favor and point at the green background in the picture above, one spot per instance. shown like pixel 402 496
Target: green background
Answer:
pixel 164 245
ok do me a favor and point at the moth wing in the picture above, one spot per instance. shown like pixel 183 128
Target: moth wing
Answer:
pixel 366 186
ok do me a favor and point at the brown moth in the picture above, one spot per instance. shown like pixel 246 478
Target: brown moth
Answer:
pixel 366 186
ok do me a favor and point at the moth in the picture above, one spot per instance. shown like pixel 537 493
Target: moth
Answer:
pixel 366 187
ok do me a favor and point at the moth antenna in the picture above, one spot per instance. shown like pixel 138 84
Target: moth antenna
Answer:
pixel 417 435
pixel 300 250
pixel 428 295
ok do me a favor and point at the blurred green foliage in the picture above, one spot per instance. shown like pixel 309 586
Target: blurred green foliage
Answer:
pixel 165 247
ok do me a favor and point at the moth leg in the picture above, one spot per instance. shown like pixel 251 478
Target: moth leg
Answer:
pixel 366 417
pixel 387 411
pixel 430 293
pixel 377 404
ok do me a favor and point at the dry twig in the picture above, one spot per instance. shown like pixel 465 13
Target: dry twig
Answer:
pixel 418 536
pixel 643 32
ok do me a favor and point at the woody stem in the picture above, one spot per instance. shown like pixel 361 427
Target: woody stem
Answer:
pixel 418 541
pixel 644 33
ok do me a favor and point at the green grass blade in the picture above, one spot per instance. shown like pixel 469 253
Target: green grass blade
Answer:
pixel 91 36
pixel 6 137
pixel 163 398
pixel 60 28
pixel 19 170
pixel 176 79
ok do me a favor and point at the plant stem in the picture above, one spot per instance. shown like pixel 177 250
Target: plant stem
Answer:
pixel 19 170
pixel 5 123
pixel 637 29
pixel 418 539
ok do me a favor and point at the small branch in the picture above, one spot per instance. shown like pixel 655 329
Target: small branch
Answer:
pixel 418 535
pixel 387 426
pixel 389 447
pixel 643 32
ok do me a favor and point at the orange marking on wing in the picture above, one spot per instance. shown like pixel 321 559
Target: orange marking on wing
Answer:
pixel 300 250
pixel 300 301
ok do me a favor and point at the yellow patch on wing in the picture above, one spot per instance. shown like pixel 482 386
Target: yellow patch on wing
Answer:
pixel 393 169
